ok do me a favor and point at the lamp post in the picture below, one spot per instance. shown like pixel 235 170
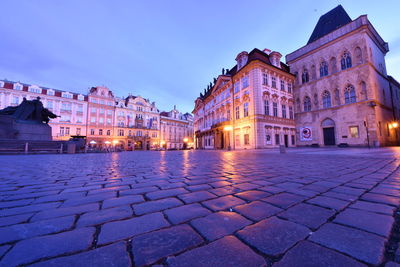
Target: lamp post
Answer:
pixel 228 129
pixel 395 125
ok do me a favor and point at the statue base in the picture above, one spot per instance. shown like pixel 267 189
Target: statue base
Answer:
pixel 13 129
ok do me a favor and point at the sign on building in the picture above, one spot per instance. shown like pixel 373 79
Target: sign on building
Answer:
pixel 305 134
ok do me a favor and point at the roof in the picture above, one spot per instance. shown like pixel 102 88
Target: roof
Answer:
pixel 329 22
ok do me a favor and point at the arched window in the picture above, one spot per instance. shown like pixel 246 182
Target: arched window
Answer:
pixel 358 55
pixel 307 103
pixel 332 64
pixel 345 62
pixel 323 69
pixel 349 94
pixel 364 90
pixel 305 77
pixel 326 99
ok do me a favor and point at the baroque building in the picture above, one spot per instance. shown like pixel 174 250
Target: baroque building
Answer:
pixel 342 92
pixel 176 131
pixel 248 106
pixel 71 107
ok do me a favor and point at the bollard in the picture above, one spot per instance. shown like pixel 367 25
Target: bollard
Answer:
pixel 61 149
pixel 282 149
pixel 26 148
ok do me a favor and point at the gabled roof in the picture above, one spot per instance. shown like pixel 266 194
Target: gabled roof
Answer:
pixel 329 22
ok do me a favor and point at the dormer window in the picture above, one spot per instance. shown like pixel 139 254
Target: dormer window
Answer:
pixel 18 86
pixel 2 84
pixel 66 95
pixel 35 89
pixel 241 59
pixel 81 97
pixel 50 92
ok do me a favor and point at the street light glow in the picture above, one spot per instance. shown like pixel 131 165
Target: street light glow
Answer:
pixel 185 139
pixel 228 128
pixel 115 142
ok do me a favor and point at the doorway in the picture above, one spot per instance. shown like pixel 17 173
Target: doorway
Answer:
pixel 329 136
pixel 286 138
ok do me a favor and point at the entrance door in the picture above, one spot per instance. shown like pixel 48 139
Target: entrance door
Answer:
pixel 222 140
pixel 329 136
pixel 286 140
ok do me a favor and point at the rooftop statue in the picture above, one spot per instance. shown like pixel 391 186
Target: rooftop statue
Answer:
pixel 30 110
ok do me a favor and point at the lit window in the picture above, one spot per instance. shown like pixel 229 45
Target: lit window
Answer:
pixel 354 131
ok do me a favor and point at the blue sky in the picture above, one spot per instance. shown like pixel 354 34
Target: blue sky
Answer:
pixel 168 50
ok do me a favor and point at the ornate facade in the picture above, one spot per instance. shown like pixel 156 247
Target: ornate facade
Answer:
pixel 249 106
pixel 176 130
pixel 342 92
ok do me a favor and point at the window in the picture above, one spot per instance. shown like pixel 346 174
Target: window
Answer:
pixel 66 130
pixel 326 99
pixel 66 107
pixel 236 87
pixel 237 140
pixel 265 79
pixel 284 111
pixel 289 87
pixel 120 132
pixel 246 109
pixel 34 89
pixel 323 69
pixel 108 132
pixel 139 133
pixel 66 95
pixel 293 140
pixel 345 62
pixel 101 120
pixel 18 87
pixel 349 94
pixel 62 131
pixel 277 141
pixel 109 112
pixel 307 103
pixel 93 100
pixel 245 81
pixel 108 121
pixel 81 97
pixel 305 76
pixel 49 104
pixel 101 110
pixel 93 119
pixel 282 85
pixel 275 109
pixel 15 100
pixel 291 116
pixel 266 107
pixel 91 131
pixel 246 139
pixel 237 113
pixel 65 118
pixel 50 92
pixel 78 131
pixel 79 108
pixel 354 131
pixel 93 110
pixel 228 114
pixel 273 82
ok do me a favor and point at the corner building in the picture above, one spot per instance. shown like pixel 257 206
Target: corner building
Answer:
pixel 248 106
pixel 342 92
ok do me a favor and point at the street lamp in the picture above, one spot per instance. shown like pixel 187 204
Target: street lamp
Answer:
pixel 107 142
pixel 185 140
pixel 228 129
pixel 92 142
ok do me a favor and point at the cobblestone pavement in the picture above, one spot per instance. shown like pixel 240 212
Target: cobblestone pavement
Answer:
pixel 308 207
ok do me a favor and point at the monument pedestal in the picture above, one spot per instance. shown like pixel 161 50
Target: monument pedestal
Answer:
pixel 13 129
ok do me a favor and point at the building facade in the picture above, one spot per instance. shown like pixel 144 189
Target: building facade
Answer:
pixel 248 106
pixel 342 92
pixel 176 130
pixel 71 107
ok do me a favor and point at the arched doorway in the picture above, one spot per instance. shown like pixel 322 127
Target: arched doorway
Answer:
pixel 328 129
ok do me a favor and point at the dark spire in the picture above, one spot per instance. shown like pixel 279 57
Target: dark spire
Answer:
pixel 329 22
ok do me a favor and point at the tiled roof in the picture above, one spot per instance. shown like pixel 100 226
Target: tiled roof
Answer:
pixel 329 22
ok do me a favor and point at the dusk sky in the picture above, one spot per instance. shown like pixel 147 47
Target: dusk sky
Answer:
pixel 167 51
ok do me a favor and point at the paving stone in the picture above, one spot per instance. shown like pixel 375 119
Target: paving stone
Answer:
pixel 273 236
pixel 58 197
pixel 105 215
pixel 272 189
pixel 312 255
pixel 372 222
pixel 166 193
pixel 308 215
pixel 107 256
pixel 3 250
pixel 186 213
pixel 220 184
pixel 252 195
pixel 246 186
pixel 119 201
pixel 345 197
pixel 198 187
pixel 219 224
pixel 349 190
pixel 53 213
pixel 88 199
pixel 257 210
pixel 223 203
pixel 118 230
pixel 9 220
pixel 149 248
pixel 328 202
pixel 196 196
pixel 29 208
pixel 358 244
pixel 156 205
pixel 390 200
pixel 284 200
pixel 223 191
pixel 228 251
pixel 28 230
pixel 16 203
pixel 137 191
pixel 30 250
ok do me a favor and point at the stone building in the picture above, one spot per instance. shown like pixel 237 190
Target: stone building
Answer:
pixel 248 106
pixel 342 92
pixel 71 107
pixel 137 122
pixel 176 131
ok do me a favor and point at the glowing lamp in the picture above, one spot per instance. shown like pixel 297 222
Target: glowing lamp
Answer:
pixel 185 139
pixel 92 142
pixel 228 128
